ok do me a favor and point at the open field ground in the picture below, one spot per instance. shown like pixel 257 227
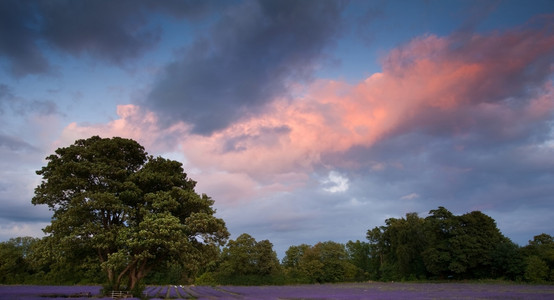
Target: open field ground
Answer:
pixel 374 290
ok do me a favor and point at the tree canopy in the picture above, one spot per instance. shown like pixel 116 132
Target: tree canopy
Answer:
pixel 324 262
pixel 441 245
pixel 247 261
pixel 134 210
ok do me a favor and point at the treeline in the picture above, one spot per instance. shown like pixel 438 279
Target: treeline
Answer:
pixel 445 246
pixel 441 246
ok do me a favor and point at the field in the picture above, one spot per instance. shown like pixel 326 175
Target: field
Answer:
pixel 372 290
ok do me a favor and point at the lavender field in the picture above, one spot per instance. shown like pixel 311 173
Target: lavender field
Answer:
pixel 373 290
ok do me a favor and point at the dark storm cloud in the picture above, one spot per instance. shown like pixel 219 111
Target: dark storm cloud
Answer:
pixel 18 34
pixel 249 57
pixel 114 31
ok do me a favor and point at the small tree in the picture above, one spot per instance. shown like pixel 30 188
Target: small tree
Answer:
pixel 536 270
pixel 291 263
pixel 359 255
pixel 540 258
pixel 135 211
pixel 323 262
pixel 246 261
pixel 14 259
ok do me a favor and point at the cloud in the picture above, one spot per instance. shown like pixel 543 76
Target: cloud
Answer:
pixel 135 123
pixel 113 31
pixel 16 229
pixel 17 38
pixel 410 196
pixel 427 88
pixel 495 92
pixel 15 143
pixel 11 104
pixel 335 183
pixel 462 123
pixel 22 154
pixel 251 56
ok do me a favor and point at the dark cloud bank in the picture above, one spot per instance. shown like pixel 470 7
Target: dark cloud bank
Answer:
pixel 248 58
pixel 113 31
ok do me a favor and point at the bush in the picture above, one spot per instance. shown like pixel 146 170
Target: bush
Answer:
pixel 207 278
pixel 537 270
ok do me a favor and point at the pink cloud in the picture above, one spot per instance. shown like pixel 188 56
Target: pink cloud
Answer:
pixel 428 84
pixel 493 84
pixel 135 123
pixel 233 185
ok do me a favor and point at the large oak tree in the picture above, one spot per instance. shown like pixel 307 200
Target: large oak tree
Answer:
pixel 134 210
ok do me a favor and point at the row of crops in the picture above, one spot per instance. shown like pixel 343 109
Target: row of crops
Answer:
pixel 187 292
pixel 367 290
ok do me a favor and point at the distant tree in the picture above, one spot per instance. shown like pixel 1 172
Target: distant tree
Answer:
pixel 542 245
pixel 246 261
pixel 437 256
pixel 508 261
pixel 377 249
pixel 15 265
pixel 294 254
pixel 473 243
pixel 133 210
pixel 408 240
pixel 291 263
pixel 539 255
pixel 536 270
pixel 60 263
pixel 441 245
pixel 398 246
pixel 359 255
pixel 323 262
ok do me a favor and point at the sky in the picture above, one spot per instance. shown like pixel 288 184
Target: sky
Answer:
pixel 305 121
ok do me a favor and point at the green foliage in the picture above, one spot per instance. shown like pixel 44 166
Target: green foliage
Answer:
pixel 291 263
pixel 508 261
pixel 359 255
pixel 27 260
pixel 245 261
pixel 323 262
pixel 442 246
pixel 15 266
pixel 397 248
pixel 537 270
pixel 130 211
pixel 540 259
pixel 170 273
pixel 207 278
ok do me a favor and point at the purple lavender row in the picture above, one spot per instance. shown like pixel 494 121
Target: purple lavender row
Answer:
pixel 12 291
pixel 393 291
pixel 150 290
pixel 162 292
pixel 326 291
pixel 105 298
pixel 207 291
pixel 153 291
pixel 175 292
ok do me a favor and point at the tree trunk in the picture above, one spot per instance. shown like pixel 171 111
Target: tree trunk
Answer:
pixel 110 272
pixel 136 274
pixel 133 279
pixel 129 269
